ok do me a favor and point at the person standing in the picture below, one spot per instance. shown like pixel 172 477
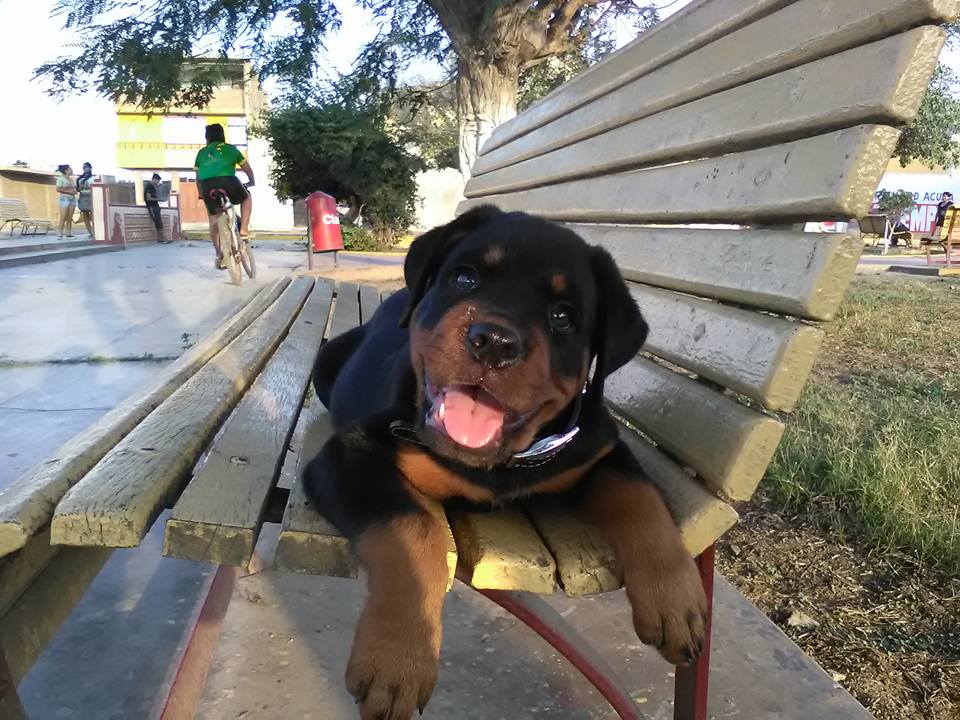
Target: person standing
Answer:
pixel 152 197
pixel 67 192
pixel 946 202
pixel 85 197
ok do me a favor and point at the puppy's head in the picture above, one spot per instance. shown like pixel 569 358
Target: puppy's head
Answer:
pixel 507 312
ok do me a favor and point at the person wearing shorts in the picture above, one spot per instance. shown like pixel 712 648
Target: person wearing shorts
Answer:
pixel 67 194
pixel 216 168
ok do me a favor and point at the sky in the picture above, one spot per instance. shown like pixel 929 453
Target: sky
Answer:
pixel 44 132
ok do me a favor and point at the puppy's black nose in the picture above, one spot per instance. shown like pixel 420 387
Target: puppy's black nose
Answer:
pixel 493 345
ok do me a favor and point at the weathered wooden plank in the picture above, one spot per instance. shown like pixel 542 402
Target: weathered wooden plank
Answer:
pixel 882 82
pixel 27 627
pixel 803 274
pixel 308 542
pixel 586 564
pixel 799 33
pixel 218 516
pixel 728 444
pixel 683 32
pixel 115 504
pixel 436 509
pixel 701 516
pixel 18 569
pixel 765 358
pixel 501 550
pixel 369 302
pixel 827 176
pixel 27 504
pixel 346 310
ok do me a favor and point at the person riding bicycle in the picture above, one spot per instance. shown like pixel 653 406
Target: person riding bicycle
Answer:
pixel 216 168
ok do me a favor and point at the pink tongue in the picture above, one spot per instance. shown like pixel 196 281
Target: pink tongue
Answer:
pixel 470 416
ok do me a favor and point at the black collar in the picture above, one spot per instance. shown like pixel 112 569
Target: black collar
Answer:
pixel 539 453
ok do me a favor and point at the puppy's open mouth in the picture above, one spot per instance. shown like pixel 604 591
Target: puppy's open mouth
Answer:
pixel 469 415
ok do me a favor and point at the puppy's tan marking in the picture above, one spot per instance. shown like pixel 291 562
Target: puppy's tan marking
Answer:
pixel 393 665
pixel 494 256
pixel 433 479
pixel 661 579
pixel 558 283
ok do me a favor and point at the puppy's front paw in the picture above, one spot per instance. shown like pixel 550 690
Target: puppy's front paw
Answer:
pixel 669 606
pixel 393 666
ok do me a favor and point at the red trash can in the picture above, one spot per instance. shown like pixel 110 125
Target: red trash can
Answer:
pixel 324 225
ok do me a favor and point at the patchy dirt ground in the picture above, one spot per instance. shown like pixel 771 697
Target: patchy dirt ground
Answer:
pixel 885 627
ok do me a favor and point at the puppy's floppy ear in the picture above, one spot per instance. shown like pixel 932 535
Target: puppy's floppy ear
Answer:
pixel 620 329
pixel 428 252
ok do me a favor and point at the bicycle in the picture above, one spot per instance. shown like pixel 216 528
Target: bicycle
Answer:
pixel 234 251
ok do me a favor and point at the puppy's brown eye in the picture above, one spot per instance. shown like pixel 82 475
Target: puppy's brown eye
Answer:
pixel 561 317
pixel 464 278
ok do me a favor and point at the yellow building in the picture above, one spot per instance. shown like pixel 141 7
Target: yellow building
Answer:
pixel 168 141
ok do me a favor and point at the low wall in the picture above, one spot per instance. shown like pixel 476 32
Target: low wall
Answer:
pixel 122 224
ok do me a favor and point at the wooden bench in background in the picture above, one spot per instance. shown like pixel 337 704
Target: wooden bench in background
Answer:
pixel 947 236
pixel 757 116
pixel 13 212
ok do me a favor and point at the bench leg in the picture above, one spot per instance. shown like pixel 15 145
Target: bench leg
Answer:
pixel 690 688
pixel 534 612
pixel 10 706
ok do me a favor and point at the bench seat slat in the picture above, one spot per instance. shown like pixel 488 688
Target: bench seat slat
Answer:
pixel 346 311
pixel 687 30
pixel 369 302
pixel 726 443
pixel 585 562
pixel 763 357
pixel 827 176
pixel 218 516
pixel 117 501
pixel 880 82
pixel 500 550
pixel 308 542
pixel 802 274
pixel 27 505
pixel 801 32
pixel 30 623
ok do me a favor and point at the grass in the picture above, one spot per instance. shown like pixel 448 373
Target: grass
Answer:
pixel 875 442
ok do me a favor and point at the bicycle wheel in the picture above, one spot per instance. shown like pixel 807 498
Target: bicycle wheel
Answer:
pixel 227 243
pixel 247 260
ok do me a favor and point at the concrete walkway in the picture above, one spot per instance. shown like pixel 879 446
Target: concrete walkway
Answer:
pixel 76 336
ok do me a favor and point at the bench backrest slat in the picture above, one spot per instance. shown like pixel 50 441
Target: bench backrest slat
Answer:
pixel 799 33
pixel 692 27
pixel 802 274
pixel 765 358
pixel 12 209
pixel 826 176
pixel 726 443
pixel 876 82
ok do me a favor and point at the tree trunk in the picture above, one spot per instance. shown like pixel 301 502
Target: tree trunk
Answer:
pixel 486 98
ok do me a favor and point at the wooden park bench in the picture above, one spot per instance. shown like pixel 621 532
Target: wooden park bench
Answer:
pixel 694 155
pixel 13 212
pixel 947 236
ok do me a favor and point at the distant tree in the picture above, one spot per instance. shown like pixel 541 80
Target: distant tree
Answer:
pixel 347 153
pixel 932 138
pixel 136 52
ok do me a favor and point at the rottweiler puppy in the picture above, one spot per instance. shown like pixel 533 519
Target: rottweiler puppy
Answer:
pixel 474 384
